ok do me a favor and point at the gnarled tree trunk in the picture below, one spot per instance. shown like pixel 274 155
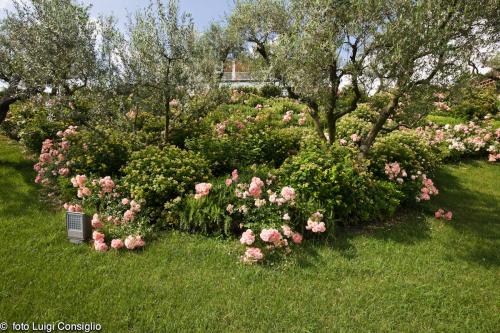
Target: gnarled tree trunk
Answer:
pixel 5 103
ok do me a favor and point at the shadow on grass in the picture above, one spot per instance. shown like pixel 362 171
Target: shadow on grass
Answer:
pixel 476 219
pixel 16 195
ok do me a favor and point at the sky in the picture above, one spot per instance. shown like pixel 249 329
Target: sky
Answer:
pixel 203 11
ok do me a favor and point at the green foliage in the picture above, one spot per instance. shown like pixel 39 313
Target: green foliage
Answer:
pixel 270 90
pixel 158 176
pixel 345 189
pixel 99 151
pixel 409 149
pixel 256 143
pixel 475 103
pixel 351 124
pixel 444 120
pixel 40 118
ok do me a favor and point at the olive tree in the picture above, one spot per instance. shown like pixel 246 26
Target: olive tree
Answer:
pixel 158 57
pixel 215 46
pixel 327 44
pixel 45 44
pixel 426 42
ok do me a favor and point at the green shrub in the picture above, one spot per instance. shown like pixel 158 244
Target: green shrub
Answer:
pixel 99 151
pixel 329 176
pixel 475 103
pixel 158 176
pixel 32 121
pixel 257 143
pixel 409 149
pixel 351 124
pixel 248 90
pixel 270 90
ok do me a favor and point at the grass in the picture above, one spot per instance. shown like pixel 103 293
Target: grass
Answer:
pixel 418 275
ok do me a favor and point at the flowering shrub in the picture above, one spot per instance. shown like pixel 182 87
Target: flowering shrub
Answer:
pixel 53 161
pixel 114 216
pixel 463 140
pixel 40 117
pixel 231 204
pixel 330 177
pixel 100 151
pixel 158 176
pixel 238 143
pixel 413 153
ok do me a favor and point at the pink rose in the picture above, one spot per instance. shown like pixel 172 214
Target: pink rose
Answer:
pixel 297 238
pixel 128 216
pixel 64 172
pixel 254 190
pixel 247 237
pixel 355 137
pixel 117 244
pixel 319 227
pixel 288 193
pixel 125 201
pixel 448 216
pixel 234 175
pixel 202 189
pixel 96 222
pixel 252 255
pixel 100 246
pixel 107 184
pixel 134 206
pixel 287 231
pixel 98 236
pixel 133 242
pixel 229 181
pixel 439 213
pixel 270 235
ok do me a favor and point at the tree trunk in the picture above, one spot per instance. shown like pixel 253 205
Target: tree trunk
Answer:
pixel 317 121
pixel 332 126
pixel 386 113
pixel 5 103
pixel 167 118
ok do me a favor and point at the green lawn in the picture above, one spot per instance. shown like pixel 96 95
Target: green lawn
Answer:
pixel 418 275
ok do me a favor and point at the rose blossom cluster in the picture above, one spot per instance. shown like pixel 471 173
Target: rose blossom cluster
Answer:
pixel 202 190
pixel 80 181
pixel 440 213
pixel 394 172
pixel 315 224
pixel 73 208
pixel 131 242
pixel 107 185
pixel 493 157
pixel 52 161
pixel 288 116
pixel 463 139
pixel 355 137
pixel 427 189
pixel 272 238
pixel 220 128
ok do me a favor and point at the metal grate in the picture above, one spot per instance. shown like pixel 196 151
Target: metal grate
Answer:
pixel 74 222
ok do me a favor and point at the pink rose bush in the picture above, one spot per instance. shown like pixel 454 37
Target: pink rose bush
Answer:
pixel 315 224
pixel 425 185
pixel 440 214
pixel 53 161
pixel 465 139
pixel 265 213
pixel 115 214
